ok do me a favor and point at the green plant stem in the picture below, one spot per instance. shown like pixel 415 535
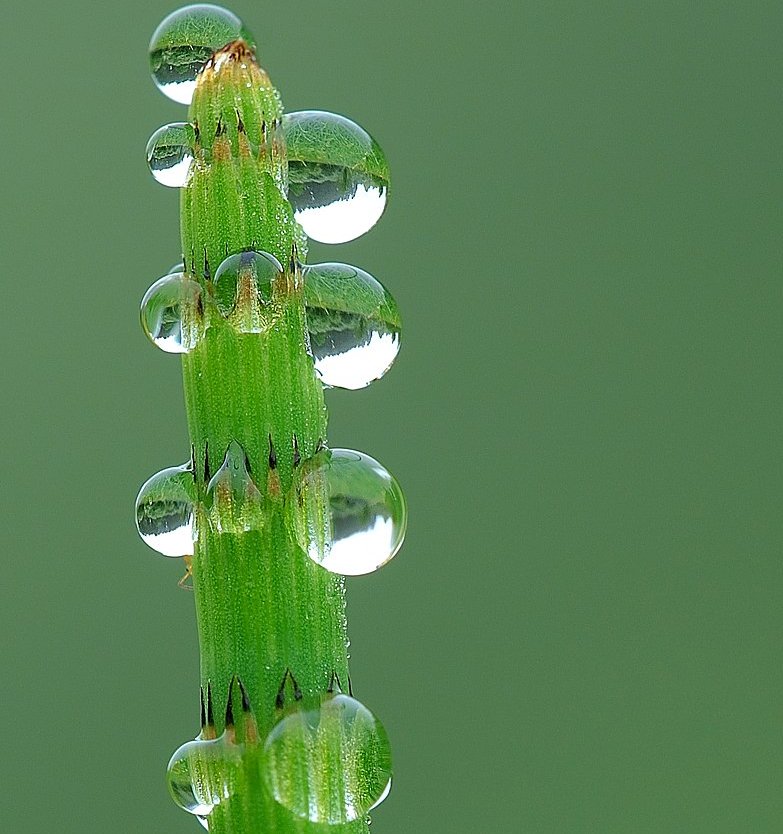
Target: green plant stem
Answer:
pixel 262 606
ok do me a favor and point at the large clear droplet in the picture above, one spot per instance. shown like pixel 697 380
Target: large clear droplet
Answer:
pixel 185 41
pixel 328 764
pixel 200 775
pixel 164 511
pixel 172 313
pixel 353 322
pixel 347 512
pixel 244 290
pixel 170 154
pixel 235 502
pixel 338 177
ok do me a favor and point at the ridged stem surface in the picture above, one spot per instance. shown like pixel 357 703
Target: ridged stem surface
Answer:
pixel 262 606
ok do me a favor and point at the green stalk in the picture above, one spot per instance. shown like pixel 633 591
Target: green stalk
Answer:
pixel 263 609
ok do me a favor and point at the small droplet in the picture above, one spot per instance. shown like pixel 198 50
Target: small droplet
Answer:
pixel 235 502
pixel 353 323
pixel 185 41
pixel 200 775
pixel 172 313
pixel 170 154
pixel 164 511
pixel 338 177
pixel 347 512
pixel 244 290
pixel 330 763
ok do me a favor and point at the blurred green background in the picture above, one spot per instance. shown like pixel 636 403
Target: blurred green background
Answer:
pixel 582 632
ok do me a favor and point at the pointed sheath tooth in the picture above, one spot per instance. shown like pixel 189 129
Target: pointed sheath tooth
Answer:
pixel 207 719
pixel 230 705
pixel 245 698
pixel 281 695
pixel 280 699
pixel 250 727
pixel 210 712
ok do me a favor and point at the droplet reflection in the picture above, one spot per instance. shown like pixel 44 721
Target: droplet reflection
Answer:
pixel 353 322
pixel 338 177
pixel 170 154
pixel 172 314
pixel 347 512
pixel 184 42
pixel 164 511
pixel 330 763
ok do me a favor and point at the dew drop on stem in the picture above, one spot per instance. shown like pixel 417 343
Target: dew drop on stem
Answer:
pixel 172 313
pixel 183 43
pixel 244 288
pixel 329 761
pixel 353 324
pixel 164 511
pixel 338 177
pixel 170 154
pixel 347 512
pixel 235 502
pixel 200 775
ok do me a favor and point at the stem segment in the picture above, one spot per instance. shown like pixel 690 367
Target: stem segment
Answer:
pixel 263 608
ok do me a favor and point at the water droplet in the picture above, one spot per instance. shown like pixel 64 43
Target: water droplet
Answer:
pixel 353 322
pixel 236 504
pixel 330 763
pixel 244 290
pixel 347 512
pixel 185 41
pixel 172 313
pixel 164 511
pixel 338 177
pixel 200 775
pixel 170 154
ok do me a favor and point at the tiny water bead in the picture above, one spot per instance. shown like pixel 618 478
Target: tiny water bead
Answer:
pixel 244 286
pixel 338 177
pixel 330 763
pixel 353 322
pixel 347 512
pixel 172 313
pixel 185 41
pixel 200 775
pixel 235 502
pixel 170 154
pixel 164 511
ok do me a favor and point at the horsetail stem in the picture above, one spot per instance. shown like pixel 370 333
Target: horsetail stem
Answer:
pixel 269 517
